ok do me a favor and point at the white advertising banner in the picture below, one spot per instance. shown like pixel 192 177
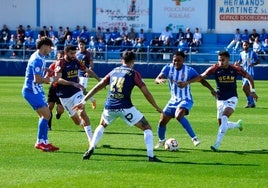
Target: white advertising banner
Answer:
pixel 180 14
pixel 243 14
pixel 122 13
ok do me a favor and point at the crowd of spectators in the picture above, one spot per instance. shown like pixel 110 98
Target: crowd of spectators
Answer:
pixel 120 39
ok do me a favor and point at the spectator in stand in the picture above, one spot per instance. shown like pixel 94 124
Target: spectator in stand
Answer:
pixel 61 38
pixel 20 33
pixel 265 47
pixel 189 36
pixel 155 48
pixel 258 48
pixel 30 46
pixel 19 46
pixel 99 34
pixel 183 45
pixel 67 32
pixel 29 32
pixel 179 36
pixel 235 44
pixel 107 36
pixel 253 36
pixel 76 32
pixel 115 37
pixel 12 44
pixel 54 51
pixel 245 36
pixel 263 35
pixel 126 44
pixel 69 41
pixel 44 32
pixel 167 45
pixel 84 35
pixel 197 39
pixel 92 45
pixel 132 35
pixel 4 39
pixel 139 47
pixel 101 48
pixel 165 34
pixel 38 38
pixel 51 32
pixel 141 34
pixel 124 32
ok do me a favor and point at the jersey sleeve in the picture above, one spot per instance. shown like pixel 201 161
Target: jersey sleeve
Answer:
pixel 59 66
pixel 210 70
pixel 240 70
pixel 38 67
pixel 138 79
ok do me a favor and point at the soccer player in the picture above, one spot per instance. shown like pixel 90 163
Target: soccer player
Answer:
pixel 248 59
pixel 181 100
pixel 52 97
pixel 84 56
pixel 225 76
pixel 34 94
pixel 121 81
pixel 69 90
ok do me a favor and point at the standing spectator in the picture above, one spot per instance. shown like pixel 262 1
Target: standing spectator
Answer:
pixel 236 42
pixel 121 81
pixel 248 59
pixel 197 39
pixel 69 90
pixel 44 32
pixel 85 58
pixel 52 97
pixel 226 76
pixel 4 38
pixel 34 94
pixel 181 101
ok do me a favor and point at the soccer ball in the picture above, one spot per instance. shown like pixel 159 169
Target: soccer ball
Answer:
pixel 171 145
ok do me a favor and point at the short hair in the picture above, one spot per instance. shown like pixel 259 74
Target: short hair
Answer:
pixel 224 53
pixel 69 48
pixel 81 41
pixel 128 56
pixel 179 53
pixel 44 41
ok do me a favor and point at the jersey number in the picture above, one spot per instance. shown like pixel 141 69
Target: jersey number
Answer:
pixel 117 84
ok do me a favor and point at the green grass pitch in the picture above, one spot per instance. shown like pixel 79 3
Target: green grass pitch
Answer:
pixel 120 159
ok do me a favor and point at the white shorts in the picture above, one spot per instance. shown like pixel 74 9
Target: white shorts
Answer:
pixel 83 81
pixel 68 103
pixel 130 115
pixel 222 104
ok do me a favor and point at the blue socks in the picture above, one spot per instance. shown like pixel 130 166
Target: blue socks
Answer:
pixel 42 129
pixel 186 125
pixel 161 130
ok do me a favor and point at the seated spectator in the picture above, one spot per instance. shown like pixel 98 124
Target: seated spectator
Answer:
pixel 126 44
pixel 107 36
pixel 141 34
pixel 188 36
pixel 54 51
pixel 236 42
pixel 4 39
pixel 67 32
pixel 197 39
pixel 51 32
pixel 12 44
pixel 263 35
pixel 99 34
pixel 84 35
pixel 132 35
pixel 19 47
pixel 258 47
pixel 69 41
pixel 77 33
pixel 265 46
pixel 20 33
pixel 101 48
pixel 155 48
pixel 116 38
pixel 166 34
pixel 30 46
pixel 61 38
pixel 29 32
pixel 245 36
pixel 183 45
pixel 167 46
pixel 92 46
pixel 179 36
pixel 124 32
pixel 44 32
pixel 139 47
pixel 253 36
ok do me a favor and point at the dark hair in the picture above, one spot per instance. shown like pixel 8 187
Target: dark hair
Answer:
pixel 81 41
pixel 179 53
pixel 128 56
pixel 44 41
pixel 69 48
pixel 224 53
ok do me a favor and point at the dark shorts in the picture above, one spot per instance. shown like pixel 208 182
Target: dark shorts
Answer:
pixel 52 97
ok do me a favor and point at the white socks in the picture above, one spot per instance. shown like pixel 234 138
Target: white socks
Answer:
pixel 149 142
